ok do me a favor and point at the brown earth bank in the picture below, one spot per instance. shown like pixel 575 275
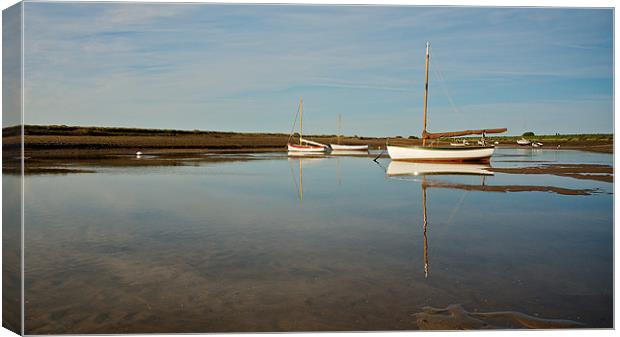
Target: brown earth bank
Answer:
pixel 76 141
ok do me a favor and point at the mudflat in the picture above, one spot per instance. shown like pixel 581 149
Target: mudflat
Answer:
pixel 68 141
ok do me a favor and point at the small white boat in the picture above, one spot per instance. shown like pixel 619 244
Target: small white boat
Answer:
pixel 454 153
pixel 304 144
pixel 523 142
pixel 537 144
pixel 338 147
pixel 464 143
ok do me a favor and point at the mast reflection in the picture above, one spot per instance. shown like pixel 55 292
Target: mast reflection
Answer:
pixel 299 182
pixel 402 169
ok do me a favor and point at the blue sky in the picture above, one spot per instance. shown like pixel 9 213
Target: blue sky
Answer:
pixel 244 67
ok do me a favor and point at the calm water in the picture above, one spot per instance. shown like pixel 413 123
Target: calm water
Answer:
pixel 252 246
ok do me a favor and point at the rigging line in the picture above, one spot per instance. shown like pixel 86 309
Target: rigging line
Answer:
pixel 377 157
pixel 456 208
pixel 293 128
pixel 381 166
pixel 439 76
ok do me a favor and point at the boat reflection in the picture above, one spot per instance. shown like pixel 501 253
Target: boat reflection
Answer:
pixel 400 169
pixel 403 168
pixel 348 153
pixel 306 154
pixel 299 183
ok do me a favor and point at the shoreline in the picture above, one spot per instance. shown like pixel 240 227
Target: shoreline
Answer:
pixel 75 141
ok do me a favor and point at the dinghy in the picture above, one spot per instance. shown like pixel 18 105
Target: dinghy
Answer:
pixel 338 147
pixel 450 154
pixel 304 145
pixel 523 142
pixel 464 143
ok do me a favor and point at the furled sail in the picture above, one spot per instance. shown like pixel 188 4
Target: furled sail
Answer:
pixel 428 135
pixel 312 143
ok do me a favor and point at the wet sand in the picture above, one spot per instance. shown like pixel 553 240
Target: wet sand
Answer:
pixel 510 188
pixel 577 171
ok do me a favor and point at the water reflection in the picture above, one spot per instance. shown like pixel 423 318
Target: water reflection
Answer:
pixel 408 169
pixel 401 168
pixel 348 153
pixel 299 182
pixel 349 259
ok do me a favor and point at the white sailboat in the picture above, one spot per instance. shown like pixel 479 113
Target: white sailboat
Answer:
pixel 305 145
pixel 452 153
pixel 339 147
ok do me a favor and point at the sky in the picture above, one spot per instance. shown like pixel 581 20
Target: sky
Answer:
pixel 244 67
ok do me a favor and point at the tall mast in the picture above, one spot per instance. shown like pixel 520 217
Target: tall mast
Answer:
pixel 301 119
pixel 425 93
pixel 339 126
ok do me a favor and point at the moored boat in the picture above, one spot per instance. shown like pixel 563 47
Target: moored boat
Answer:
pixel 339 147
pixel 454 154
pixel 457 153
pixel 304 145
pixel 523 142
pixel 336 147
pixel 463 143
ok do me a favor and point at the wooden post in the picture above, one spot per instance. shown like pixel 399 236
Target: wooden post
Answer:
pixel 425 92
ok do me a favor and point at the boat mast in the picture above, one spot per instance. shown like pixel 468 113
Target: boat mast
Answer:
pixel 425 94
pixel 301 120
pixel 339 127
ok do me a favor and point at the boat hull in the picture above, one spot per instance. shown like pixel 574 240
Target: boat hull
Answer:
pixel 306 148
pixel 444 154
pixel 337 147
pixel 524 142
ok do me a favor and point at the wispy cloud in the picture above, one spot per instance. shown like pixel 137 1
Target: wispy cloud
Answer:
pixel 242 67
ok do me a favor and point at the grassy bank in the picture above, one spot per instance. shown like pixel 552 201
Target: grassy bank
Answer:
pixel 80 138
